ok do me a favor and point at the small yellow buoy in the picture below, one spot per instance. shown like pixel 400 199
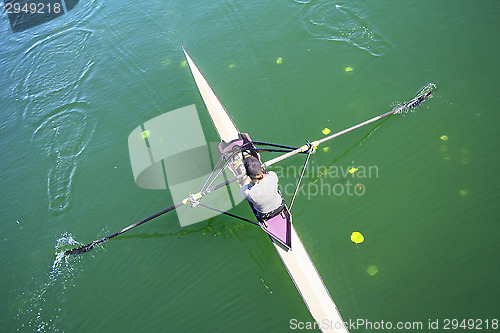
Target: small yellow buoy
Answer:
pixel 463 192
pixel 279 60
pixel 348 69
pixel 357 237
pixel 326 131
pixel 326 149
pixel 444 137
pixel 353 170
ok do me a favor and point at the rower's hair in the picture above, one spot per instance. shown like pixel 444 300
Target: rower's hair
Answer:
pixel 253 168
pixel 258 177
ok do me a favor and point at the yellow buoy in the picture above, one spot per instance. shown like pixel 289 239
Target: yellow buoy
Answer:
pixel 444 137
pixel 357 237
pixel 348 69
pixel 353 170
pixel 326 131
pixel 279 60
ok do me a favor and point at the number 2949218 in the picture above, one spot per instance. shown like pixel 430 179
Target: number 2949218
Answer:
pixel 33 7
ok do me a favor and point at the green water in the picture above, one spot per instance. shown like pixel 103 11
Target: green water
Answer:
pixel 74 88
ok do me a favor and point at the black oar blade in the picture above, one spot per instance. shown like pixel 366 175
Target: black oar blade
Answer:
pixel 418 100
pixel 80 250
pixel 424 94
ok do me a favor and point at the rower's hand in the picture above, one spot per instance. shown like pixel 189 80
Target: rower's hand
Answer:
pixel 247 180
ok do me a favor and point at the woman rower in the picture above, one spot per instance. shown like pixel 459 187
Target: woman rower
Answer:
pixel 261 190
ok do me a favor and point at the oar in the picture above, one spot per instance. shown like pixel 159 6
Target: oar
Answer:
pixel 422 96
pixel 197 196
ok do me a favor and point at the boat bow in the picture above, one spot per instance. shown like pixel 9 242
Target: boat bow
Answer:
pixel 225 127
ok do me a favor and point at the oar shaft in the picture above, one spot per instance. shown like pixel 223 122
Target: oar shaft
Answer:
pixel 88 247
pixel 149 218
pixel 287 155
pixel 304 148
pixel 333 136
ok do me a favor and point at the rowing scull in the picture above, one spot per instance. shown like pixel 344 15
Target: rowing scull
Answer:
pixel 296 259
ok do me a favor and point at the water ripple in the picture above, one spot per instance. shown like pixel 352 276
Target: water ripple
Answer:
pixel 50 70
pixel 51 75
pixel 67 132
pixel 336 21
pixel 63 137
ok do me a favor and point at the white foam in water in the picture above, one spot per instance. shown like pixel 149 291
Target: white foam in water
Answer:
pixel 36 309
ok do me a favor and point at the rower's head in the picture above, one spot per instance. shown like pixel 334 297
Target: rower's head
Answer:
pixel 253 168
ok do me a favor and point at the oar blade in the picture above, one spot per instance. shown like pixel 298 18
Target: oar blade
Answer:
pixel 80 250
pixel 424 94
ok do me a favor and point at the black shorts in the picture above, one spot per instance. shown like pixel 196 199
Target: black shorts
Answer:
pixel 266 216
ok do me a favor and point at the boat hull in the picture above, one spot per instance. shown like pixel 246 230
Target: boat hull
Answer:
pixel 291 250
pixel 310 285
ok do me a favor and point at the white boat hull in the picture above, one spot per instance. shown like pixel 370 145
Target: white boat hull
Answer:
pixel 306 278
pixel 297 261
